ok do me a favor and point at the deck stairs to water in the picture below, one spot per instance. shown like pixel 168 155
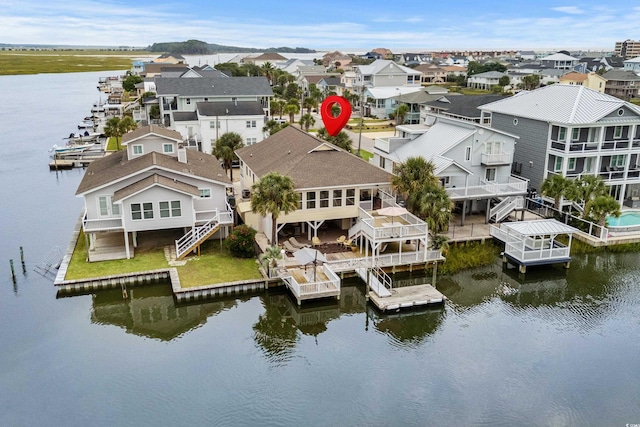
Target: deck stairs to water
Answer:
pixel 48 266
pixel 505 207
pixel 196 236
pixel 377 280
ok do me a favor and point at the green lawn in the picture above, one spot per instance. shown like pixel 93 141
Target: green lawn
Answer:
pixel 112 145
pixel 366 154
pixel 214 265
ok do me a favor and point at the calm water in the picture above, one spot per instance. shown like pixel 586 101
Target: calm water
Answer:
pixel 559 348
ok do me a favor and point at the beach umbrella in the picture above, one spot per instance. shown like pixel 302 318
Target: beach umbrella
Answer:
pixel 307 256
pixel 392 211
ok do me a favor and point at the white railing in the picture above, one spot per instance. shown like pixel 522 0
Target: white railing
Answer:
pixel 195 235
pixel 496 159
pixel 505 207
pixel 319 288
pixel 383 278
pixel 386 260
pixel 519 251
pixel 224 217
pixel 489 189
pixel 105 224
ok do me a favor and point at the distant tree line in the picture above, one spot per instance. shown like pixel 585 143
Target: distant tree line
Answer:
pixel 197 47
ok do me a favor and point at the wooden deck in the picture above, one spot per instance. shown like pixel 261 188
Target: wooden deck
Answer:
pixel 407 297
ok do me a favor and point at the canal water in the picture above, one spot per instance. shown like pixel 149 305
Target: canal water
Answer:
pixel 554 347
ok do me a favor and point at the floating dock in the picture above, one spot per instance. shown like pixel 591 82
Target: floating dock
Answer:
pixel 408 297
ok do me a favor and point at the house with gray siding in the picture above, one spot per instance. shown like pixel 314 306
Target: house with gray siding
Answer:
pixel 573 131
pixel 472 161
pixel 154 184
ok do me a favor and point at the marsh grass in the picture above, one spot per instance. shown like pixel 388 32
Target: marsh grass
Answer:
pixel 65 61
pixel 463 256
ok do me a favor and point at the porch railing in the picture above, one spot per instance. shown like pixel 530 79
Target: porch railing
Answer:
pixel 104 224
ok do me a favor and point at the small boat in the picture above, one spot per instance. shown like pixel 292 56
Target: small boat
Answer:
pixel 74 148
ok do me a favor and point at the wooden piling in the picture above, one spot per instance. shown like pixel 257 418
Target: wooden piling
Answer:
pixel 13 273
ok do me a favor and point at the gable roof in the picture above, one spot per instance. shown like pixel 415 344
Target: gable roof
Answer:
pixel 379 64
pixel 309 161
pixel 151 181
pixel 214 86
pixel 621 75
pixel 229 108
pixel 116 166
pixel 558 57
pixel 614 61
pixel 439 139
pixel 569 104
pixel 489 75
pixel 463 105
pixel 269 56
pixel 330 81
pixel 151 130
pixel 574 76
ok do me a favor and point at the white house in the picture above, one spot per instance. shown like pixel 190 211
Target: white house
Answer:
pixel 632 65
pixel 472 161
pixel 386 73
pixel 484 80
pixel 155 184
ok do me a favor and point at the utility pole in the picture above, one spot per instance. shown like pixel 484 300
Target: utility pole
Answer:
pixel 361 118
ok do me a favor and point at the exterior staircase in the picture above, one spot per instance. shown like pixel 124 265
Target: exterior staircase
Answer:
pixel 196 236
pixel 377 280
pixel 505 207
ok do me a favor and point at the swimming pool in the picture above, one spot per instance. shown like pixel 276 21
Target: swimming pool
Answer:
pixel 627 222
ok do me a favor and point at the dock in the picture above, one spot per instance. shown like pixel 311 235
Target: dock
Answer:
pixel 79 160
pixel 408 297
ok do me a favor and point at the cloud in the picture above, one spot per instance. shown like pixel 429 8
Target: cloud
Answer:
pixel 572 10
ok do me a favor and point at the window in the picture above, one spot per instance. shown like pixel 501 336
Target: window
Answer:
pixel 593 135
pixel 205 193
pixel 311 200
pixel 299 200
pixel 617 132
pixel 588 164
pixel 467 154
pixel 251 123
pixel 490 174
pixel 137 150
pixel 562 134
pixel 106 207
pixel 167 148
pixel 557 167
pixel 618 160
pixel 324 199
pixel 337 198
pixel 351 197
pixel 251 141
pixel 147 210
pixel 170 209
pixel 382 162
pixel 575 134
pixel 212 124
pixel 380 103
pixel 136 211
pixel 571 164
pixel 188 101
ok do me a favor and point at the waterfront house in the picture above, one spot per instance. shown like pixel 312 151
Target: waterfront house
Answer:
pixel 572 131
pixel 153 184
pixel 484 80
pixel 178 96
pixel 472 161
pixel 386 73
pixel 333 186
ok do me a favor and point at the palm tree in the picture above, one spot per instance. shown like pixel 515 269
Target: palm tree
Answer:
pixel 271 254
pixel 274 194
pixel 432 203
pixel 267 70
pixel 601 207
pixel 309 104
pixel 113 130
pixel 272 127
pixel 291 109
pixel 555 186
pixel 412 175
pixel 277 106
pixel 127 124
pixel 307 121
pixel 341 140
pixel 588 188
pixel 401 113
pixel 225 150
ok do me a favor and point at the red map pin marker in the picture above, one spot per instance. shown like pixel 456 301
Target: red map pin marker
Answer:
pixel 335 124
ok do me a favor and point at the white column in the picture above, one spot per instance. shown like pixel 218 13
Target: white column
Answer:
pixel 126 244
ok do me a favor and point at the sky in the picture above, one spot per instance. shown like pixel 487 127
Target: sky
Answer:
pixel 350 25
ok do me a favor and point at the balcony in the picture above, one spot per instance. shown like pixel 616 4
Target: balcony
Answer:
pixel 96 225
pixel 514 187
pixel 496 159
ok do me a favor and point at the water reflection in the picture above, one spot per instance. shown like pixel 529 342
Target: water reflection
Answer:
pixel 151 311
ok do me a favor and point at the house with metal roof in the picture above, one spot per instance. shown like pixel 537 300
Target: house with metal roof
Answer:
pixel 472 161
pixel 632 64
pixel 386 73
pixel 559 61
pixel 154 184
pixel 572 131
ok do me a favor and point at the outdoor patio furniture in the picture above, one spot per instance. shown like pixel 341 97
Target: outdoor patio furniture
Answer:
pixel 341 239
pixel 297 244
pixel 347 243
pixel 316 241
pixel 289 247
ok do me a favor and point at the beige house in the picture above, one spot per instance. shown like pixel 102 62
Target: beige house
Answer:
pixel 432 74
pixel 591 80
pixel 333 186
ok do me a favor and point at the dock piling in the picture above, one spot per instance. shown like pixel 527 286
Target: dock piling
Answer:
pixel 13 273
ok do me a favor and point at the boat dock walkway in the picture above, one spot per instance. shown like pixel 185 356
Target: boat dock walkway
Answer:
pixel 408 297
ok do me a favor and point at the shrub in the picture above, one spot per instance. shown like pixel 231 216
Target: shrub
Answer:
pixel 240 241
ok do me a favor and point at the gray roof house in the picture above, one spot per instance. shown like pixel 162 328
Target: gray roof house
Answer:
pixel 623 84
pixel 484 80
pixel 458 106
pixel 572 131
pixel 155 184
pixel 472 161
pixel 181 95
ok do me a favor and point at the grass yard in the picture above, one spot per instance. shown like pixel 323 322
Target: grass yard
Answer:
pixel 366 154
pixel 214 265
pixel 65 61
pixel 113 146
